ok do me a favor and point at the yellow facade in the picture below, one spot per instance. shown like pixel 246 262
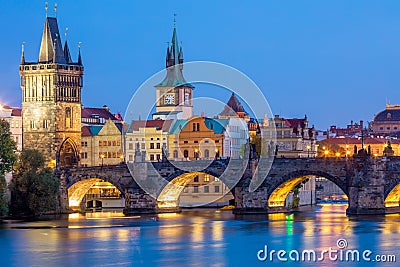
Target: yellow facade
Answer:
pixel 103 146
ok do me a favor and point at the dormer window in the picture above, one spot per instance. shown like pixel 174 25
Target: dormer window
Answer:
pixel 389 116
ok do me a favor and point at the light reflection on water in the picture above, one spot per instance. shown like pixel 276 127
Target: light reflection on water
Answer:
pixel 191 238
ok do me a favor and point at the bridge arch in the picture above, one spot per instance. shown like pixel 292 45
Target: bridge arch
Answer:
pixel 278 192
pixel 392 196
pixel 77 189
pixel 169 195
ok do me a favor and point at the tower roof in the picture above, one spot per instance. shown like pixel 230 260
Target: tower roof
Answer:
pixel 232 107
pixel 174 64
pixel 51 47
pixel 67 54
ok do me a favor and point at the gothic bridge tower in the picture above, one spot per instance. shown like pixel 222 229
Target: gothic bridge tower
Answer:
pixel 51 99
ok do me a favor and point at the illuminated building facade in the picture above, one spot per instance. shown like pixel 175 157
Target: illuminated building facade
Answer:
pixel 387 122
pixel 51 99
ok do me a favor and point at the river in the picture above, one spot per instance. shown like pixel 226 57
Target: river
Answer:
pixel 195 238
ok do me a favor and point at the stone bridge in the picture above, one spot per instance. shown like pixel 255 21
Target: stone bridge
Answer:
pixel 371 184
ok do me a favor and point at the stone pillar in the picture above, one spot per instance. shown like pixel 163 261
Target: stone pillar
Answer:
pixel 366 177
pixel 251 202
pixel 63 193
pixel 137 201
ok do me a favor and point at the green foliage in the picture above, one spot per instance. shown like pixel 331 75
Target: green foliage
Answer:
pixel 34 189
pixel 3 196
pixel 7 160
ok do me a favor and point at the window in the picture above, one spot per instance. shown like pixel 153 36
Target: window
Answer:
pixel 158 145
pixel 206 189
pixel 206 153
pixel 381 128
pixel 143 146
pixel 196 179
pixel 194 127
pixel 216 179
pixel 114 143
pixel 152 157
pixel 104 143
pixel 130 157
pixel 109 143
pixel 46 124
pixel 175 154
pixel 100 143
pixel 130 146
pixel 196 142
pixel 206 178
pixel 151 145
pixel 387 128
pixel 185 142
pixel 185 153
pixel 198 127
pixel 195 189
pixel 158 157
pixel 33 125
pixel 68 118
pixel 216 189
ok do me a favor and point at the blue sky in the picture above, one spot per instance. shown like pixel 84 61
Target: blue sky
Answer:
pixel 335 61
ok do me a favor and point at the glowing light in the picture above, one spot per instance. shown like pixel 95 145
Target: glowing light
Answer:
pixel 348 152
pixel 337 154
pixel 326 152
pixel 375 155
pixel 308 147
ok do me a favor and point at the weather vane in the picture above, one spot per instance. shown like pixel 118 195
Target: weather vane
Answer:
pixel 66 33
pixel 79 45
pixel 47 8
pixel 55 9
pixel 175 19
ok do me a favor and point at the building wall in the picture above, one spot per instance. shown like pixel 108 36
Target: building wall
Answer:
pixel 46 97
pixel 150 140
pixel 195 138
pixel 205 190
pixel 105 148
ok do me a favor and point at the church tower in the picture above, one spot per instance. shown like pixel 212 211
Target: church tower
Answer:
pixel 174 95
pixel 51 99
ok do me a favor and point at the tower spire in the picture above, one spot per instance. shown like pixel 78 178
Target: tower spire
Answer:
pixel 79 54
pixel 67 54
pixel 23 53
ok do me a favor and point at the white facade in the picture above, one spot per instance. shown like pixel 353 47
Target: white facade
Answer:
pixel 236 135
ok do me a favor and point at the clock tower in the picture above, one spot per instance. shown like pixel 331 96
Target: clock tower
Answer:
pixel 174 95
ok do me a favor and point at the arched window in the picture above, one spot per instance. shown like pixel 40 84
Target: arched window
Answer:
pixel 68 118
pixel 175 154
pixel 206 153
pixel 185 153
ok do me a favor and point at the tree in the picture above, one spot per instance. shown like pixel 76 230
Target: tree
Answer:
pixel 34 189
pixel 7 160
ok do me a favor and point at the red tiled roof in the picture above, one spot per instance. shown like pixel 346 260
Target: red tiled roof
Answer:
pixel 86 131
pixel 159 124
pixel 16 112
pixel 101 112
pixel 294 123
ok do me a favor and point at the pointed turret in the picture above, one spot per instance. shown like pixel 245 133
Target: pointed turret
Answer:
pixel 67 54
pixel 79 57
pixel 180 57
pixel 51 48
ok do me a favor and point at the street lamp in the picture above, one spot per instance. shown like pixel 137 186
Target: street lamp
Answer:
pixel 122 158
pixel 216 153
pixel 337 154
pixel 102 159
pixel 308 151
pixel 196 153
pixel 326 152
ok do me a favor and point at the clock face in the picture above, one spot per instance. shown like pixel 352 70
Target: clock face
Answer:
pixel 170 99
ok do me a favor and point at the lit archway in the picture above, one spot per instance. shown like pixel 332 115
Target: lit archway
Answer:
pixel 393 198
pixel 170 195
pixel 68 154
pixel 78 190
pixel 278 195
